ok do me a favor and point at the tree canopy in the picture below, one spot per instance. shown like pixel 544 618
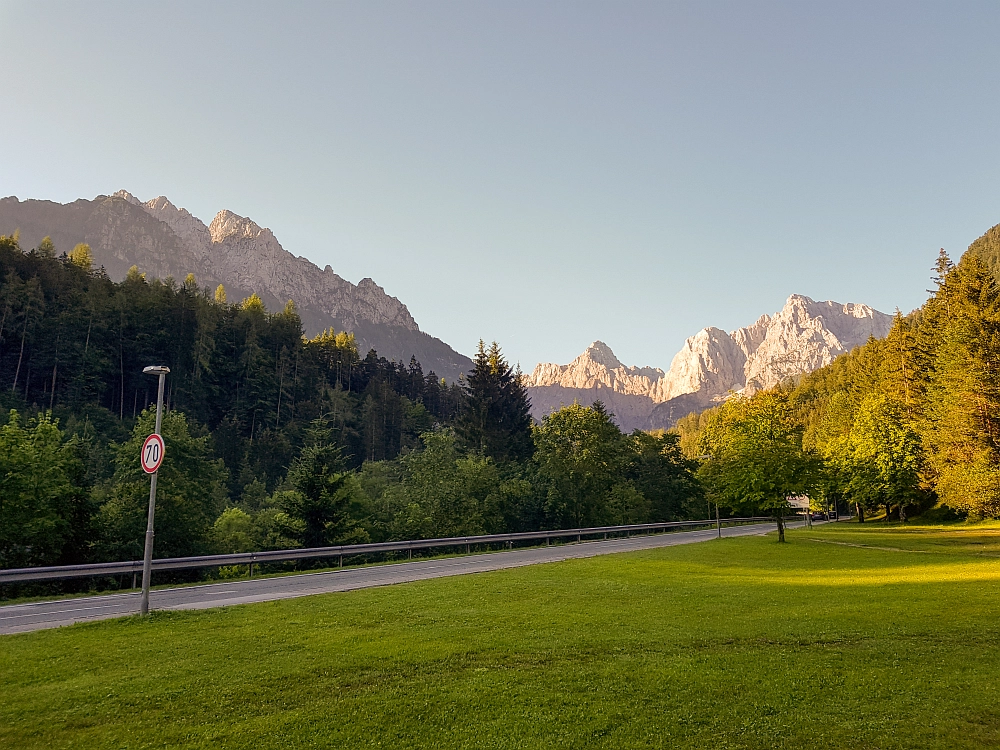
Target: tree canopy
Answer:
pixel 755 461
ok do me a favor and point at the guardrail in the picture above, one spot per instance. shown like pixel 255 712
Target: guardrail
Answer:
pixel 131 567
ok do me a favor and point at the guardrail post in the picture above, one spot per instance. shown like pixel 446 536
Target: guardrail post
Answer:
pixel 340 562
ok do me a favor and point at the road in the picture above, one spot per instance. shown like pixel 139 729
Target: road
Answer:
pixel 20 618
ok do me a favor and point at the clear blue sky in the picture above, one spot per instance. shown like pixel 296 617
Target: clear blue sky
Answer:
pixel 539 173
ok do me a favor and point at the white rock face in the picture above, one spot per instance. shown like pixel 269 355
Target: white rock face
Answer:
pixel 709 362
pixel 597 367
pixel 189 228
pixel 807 335
pixel 803 336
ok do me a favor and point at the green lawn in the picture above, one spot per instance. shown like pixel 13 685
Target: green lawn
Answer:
pixel 849 636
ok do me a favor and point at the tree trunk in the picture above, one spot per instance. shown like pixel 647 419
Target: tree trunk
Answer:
pixel 55 368
pixel 902 512
pixel 3 322
pixel 781 528
pixel 17 372
pixel 861 512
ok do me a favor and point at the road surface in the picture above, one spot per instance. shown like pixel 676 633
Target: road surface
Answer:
pixel 20 618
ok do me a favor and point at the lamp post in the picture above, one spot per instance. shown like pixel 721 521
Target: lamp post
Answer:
pixel 147 556
pixel 718 521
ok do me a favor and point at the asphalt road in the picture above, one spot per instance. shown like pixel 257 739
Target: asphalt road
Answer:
pixel 20 618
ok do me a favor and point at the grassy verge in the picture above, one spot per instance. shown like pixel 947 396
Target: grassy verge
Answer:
pixel 850 636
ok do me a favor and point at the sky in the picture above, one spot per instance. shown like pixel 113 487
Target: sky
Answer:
pixel 539 174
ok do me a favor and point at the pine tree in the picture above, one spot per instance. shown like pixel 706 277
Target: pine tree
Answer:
pixel 496 420
pixel 45 248
pixel 323 492
pixel 902 377
pixel 81 256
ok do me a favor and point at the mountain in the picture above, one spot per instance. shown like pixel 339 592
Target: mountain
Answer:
pixel 803 336
pixel 164 240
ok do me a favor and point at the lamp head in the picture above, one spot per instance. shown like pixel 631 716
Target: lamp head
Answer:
pixel 155 370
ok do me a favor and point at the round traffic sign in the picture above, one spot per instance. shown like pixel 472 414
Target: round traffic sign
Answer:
pixel 152 454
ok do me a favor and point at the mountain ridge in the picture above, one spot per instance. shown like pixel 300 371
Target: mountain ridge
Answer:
pixel 165 240
pixel 803 336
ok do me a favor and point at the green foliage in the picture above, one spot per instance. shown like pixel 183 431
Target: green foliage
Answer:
pixel 879 460
pixel 440 491
pixel 662 474
pixel 45 248
pixel 961 420
pixel 755 461
pixel 496 421
pixel 322 494
pixel 581 456
pixel 190 493
pixel 232 532
pixel 41 494
pixel 987 250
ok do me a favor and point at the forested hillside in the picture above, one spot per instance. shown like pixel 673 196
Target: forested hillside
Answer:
pixel 273 439
pixel 904 423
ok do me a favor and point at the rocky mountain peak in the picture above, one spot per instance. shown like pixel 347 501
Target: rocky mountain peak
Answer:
pixel 806 335
pixel 709 362
pixel 127 196
pixel 189 228
pixel 227 224
pixel 601 353
pixel 751 337
pixel 803 336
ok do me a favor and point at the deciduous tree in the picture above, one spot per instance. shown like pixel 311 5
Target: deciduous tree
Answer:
pixel 755 456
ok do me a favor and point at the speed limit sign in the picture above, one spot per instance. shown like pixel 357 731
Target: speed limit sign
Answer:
pixel 152 454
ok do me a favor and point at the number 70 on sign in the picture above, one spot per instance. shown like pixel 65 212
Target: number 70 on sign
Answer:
pixel 152 453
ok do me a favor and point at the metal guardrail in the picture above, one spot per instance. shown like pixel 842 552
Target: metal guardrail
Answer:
pixel 131 567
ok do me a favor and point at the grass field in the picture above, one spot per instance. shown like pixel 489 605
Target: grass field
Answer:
pixel 849 636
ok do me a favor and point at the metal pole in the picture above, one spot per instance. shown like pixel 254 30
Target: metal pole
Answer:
pixel 718 522
pixel 147 555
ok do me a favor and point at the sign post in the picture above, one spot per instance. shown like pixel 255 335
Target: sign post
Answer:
pixel 151 458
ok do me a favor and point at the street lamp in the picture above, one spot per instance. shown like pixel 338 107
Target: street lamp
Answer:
pixel 718 521
pixel 147 556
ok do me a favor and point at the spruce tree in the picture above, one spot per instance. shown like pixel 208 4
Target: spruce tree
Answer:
pixel 903 379
pixel 496 420
pixel 961 426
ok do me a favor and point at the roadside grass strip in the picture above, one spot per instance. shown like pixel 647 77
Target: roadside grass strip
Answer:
pixel 736 643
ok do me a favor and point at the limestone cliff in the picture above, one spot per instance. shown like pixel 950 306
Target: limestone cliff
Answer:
pixel 803 336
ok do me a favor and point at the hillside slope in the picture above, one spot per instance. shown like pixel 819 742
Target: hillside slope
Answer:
pixel 164 240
